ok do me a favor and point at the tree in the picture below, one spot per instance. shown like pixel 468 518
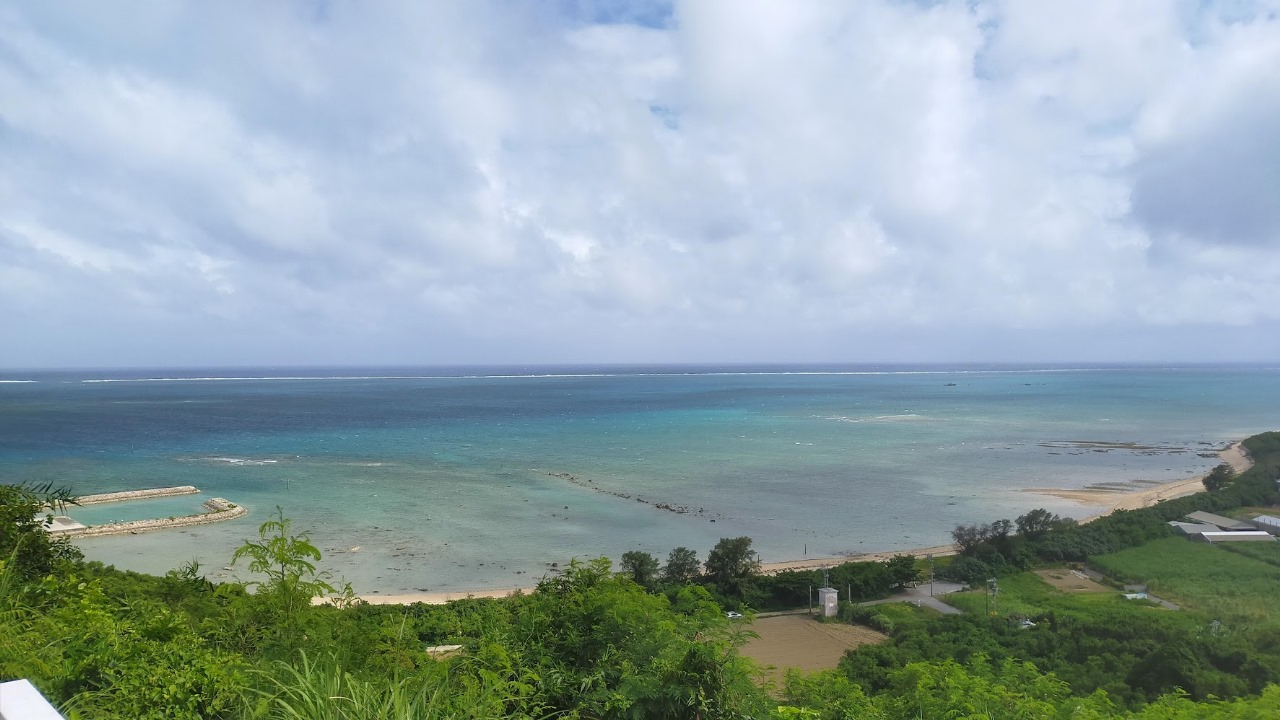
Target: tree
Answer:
pixel 682 567
pixel 970 538
pixel 24 509
pixel 902 570
pixel 641 567
pixel 1039 522
pixel 600 647
pixel 999 535
pixel 1219 477
pixel 292 580
pixel 731 562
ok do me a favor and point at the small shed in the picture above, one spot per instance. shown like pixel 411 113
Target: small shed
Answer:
pixel 828 601
pixel 1233 536
pixel 1224 523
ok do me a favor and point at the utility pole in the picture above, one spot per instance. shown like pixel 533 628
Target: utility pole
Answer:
pixel 930 574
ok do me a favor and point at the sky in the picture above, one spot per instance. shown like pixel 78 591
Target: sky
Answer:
pixel 330 182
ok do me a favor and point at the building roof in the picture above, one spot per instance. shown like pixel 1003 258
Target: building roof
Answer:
pixel 1225 523
pixel 1234 536
pixel 1270 520
pixel 1185 528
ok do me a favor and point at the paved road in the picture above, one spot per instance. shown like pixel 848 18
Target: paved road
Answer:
pixel 920 596
pixel 919 601
pixel 924 596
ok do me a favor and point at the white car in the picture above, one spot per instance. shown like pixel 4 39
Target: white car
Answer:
pixel 733 615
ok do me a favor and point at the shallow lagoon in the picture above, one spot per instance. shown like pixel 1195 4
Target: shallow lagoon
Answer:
pixel 483 478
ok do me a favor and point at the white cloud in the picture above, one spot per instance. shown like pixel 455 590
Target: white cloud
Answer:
pixel 482 182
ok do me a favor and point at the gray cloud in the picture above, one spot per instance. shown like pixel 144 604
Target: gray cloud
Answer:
pixel 331 182
pixel 1209 163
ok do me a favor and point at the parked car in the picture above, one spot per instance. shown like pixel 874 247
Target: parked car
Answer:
pixel 733 615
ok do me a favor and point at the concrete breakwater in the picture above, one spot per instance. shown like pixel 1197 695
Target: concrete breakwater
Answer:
pixel 137 494
pixel 217 510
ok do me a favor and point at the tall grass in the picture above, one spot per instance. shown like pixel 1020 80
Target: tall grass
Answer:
pixel 1228 584
pixel 313 690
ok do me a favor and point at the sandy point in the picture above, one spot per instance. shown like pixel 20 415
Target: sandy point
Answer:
pixel 1117 499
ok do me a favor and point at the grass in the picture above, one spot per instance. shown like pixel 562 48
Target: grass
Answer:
pixel 1268 553
pixel 1234 584
pixel 1026 594
pixel 902 614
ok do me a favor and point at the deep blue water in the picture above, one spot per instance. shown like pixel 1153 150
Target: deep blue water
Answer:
pixel 431 472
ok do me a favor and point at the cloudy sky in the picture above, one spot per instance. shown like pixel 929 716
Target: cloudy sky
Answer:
pixel 341 182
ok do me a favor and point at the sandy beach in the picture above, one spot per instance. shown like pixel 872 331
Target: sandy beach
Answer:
pixel 1112 499
pixel 1127 499
pixel 440 598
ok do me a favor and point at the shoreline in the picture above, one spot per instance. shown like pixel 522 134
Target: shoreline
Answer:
pixel 1112 499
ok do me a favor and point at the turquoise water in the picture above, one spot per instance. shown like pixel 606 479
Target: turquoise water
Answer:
pixel 448 479
pixel 149 509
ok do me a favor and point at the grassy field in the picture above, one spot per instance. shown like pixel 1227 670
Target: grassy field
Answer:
pixel 1235 584
pixel 1027 594
pixel 1268 553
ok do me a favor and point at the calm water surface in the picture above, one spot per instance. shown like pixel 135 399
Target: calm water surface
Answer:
pixel 482 477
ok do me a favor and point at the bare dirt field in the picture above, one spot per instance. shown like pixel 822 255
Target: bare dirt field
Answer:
pixel 1071 581
pixel 799 641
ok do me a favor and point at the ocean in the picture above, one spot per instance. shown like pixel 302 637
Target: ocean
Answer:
pixel 469 478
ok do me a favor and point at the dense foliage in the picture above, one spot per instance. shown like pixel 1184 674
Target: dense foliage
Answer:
pixel 734 580
pixel 1132 651
pixel 24 510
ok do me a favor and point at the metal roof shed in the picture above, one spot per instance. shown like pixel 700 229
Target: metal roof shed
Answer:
pixel 1184 528
pixel 1225 523
pixel 1268 523
pixel 1233 536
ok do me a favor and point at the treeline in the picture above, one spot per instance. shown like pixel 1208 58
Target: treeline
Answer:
pixel 732 576
pixel 1041 537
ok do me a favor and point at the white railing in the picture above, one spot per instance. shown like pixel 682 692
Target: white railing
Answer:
pixel 20 700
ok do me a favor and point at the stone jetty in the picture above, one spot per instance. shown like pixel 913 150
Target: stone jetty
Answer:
pixel 216 510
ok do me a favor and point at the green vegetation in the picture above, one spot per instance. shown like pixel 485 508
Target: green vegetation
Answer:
pixel 641 567
pixel 1224 582
pixel 23 512
pixel 1224 644
pixel 682 567
pixel 1133 651
pixel 1268 553
pixel 652 642
pixel 731 564
pixel 732 577
pixel 1218 478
